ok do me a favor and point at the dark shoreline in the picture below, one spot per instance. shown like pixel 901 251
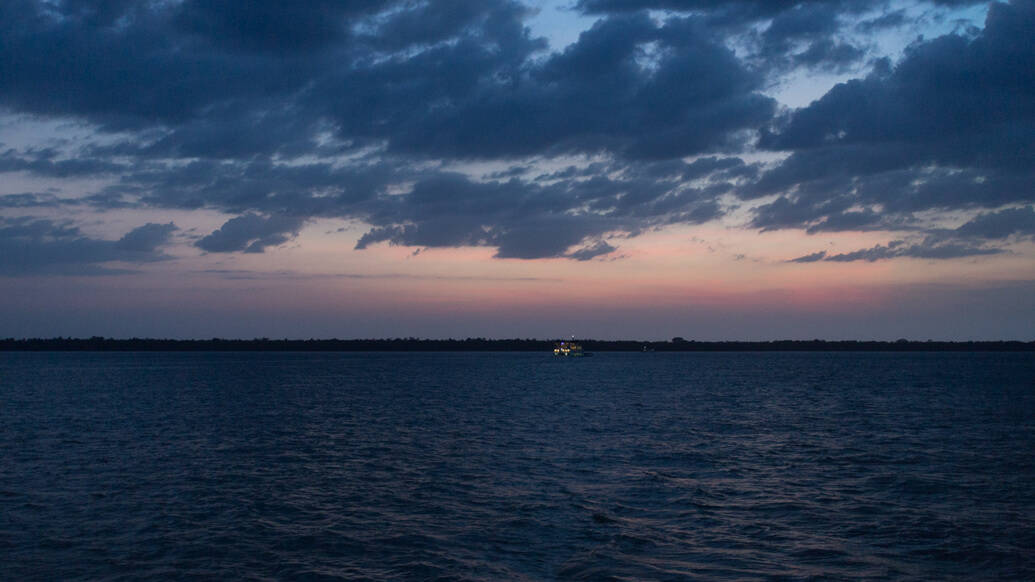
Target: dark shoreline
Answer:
pixel 496 345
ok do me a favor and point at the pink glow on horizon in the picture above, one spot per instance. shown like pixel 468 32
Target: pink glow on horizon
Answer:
pixel 669 269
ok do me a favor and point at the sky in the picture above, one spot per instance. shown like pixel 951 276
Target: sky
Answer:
pixel 634 169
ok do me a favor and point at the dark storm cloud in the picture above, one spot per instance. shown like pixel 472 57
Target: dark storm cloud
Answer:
pixel 251 233
pixel 440 209
pixel 41 246
pixel 47 163
pixel 227 86
pixel 950 127
pixel 483 98
pixel 945 93
pixel 807 35
pixel 1002 224
pixel 829 54
pixel 147 238
pixel 276 114
pixel 521 220
pixel 779 35
pixel 886 20
pixel 783 35
pixel 591 252
pixel 134 75
pixel 314 189
pixel 748 8
pixel 270 25
pixel 566 217
pixel 836 212
pixel 973 238
pixel 427 23
pixel 812 258
pixel 928 249
pixel 31 200
pixel 166 68
pixel 851 220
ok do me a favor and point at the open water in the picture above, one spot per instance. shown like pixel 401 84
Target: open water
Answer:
pixel 517 466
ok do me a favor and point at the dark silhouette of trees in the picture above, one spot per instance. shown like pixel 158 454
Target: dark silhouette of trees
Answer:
pixel 412 344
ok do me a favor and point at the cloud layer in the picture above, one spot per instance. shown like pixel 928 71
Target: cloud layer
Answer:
pixel 39 246
pixel 387 112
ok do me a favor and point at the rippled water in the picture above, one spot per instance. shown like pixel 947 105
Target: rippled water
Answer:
pixel 509 466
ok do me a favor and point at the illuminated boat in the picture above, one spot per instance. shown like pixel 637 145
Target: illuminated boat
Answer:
pixel 569 349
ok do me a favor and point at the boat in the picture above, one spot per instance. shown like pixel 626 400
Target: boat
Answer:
pixel 569 349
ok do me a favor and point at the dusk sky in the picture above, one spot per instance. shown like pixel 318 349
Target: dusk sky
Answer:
pixel 641 169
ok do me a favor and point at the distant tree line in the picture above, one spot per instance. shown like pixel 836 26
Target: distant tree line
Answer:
pixel 412 344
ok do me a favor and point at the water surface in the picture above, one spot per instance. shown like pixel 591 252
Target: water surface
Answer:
pixel 517 466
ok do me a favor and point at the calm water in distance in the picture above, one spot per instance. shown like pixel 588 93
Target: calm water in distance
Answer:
pixel 517 466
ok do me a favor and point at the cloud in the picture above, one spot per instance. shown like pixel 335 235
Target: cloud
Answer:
pixel 944 91
pixel 807 35
pixel 364 111
pixel 745 9
pixel 147 238
pixel 209 97
pixel 270 26
pixel 429 23
pixel 826 53
pixel 593 251
pixel 929 249
pixel 41 246
pixel 781 35
pixel 46 163
pixel 32 200
pixel 819 256
pixel 227 78
pixel 982 235
pixel 985 234
pixel 449 210
pixel 690 95
pixel 251 233
pixel 533 219
pixel 1001 224
pixel 887 20
pixel 753 9
pixel 949 128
